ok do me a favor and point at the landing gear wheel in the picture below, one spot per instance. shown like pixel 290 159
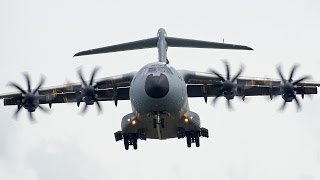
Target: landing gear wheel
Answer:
pixel 197 140
pixel 118 136
pixel 204 132
pixel 126 143
pixel 188 140
pixel 135 144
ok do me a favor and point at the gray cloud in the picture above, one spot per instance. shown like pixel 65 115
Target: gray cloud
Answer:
pixel 306 177
pixel 65 161
pixel 8 135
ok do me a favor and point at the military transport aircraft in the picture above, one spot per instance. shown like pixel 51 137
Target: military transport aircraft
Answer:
pixel 158 92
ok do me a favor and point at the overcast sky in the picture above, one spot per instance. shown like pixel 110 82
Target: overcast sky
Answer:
pixel 254 141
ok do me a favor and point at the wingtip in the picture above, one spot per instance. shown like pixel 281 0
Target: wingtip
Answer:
pixel 249 48
pixel 87 52
pixel 77 54
pixel 83 53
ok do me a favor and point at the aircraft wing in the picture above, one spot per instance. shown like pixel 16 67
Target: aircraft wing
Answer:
pixel 201 84
pixel 112 88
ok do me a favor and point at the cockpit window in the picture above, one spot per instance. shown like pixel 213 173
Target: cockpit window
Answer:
pixel 152 70
pixel 159 69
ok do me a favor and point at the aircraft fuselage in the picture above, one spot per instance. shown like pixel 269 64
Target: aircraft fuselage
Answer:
pixel 159 102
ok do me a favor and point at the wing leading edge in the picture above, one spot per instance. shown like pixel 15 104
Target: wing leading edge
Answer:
pixel 108 89
pixel 201 84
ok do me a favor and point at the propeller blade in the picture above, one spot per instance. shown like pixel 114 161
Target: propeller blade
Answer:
pixel 84 110
pixel 81 77
pixel 301 79
pixel 93 74
pixel 99 107
pixel 289 87
pixel 228 86
pixel 26 76
pixel 215 100
pixel 43 109
pixel 280 74
pixel 30 97
pixel 18 110
pixel 218 95
pixel 293 72
pixel 238 74
pixel 283 106
pixel 18 87
pixel 217 74
pixel 298 103
pixel 31 117
pixel 39 85
pixel 229 104
pixel 227 69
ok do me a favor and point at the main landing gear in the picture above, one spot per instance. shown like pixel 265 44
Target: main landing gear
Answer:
pixel 192 136
pixel 130 138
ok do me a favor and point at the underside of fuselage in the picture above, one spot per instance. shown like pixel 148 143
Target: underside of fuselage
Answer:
pixel 159 101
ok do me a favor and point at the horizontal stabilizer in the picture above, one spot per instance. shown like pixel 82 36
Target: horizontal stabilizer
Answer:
pixel 141 44
pixel 170 42
pixel 178 42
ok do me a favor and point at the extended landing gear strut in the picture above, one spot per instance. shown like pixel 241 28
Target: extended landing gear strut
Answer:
pixel 192 136
pixel 130 138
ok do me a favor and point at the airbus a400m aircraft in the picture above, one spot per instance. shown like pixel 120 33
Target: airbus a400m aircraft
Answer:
pixel 158 92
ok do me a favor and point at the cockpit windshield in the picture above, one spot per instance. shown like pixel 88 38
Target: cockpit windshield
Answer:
pixel 157 69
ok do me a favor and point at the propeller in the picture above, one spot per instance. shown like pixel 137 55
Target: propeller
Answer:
pixel 288 88
pixel 89 92
pixel 29 98
pixel 228 85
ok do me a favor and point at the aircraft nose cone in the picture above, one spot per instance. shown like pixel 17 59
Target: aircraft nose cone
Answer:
pixel 157 86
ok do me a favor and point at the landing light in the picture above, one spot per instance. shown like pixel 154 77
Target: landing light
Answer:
pixel 133 122
pixel 186 120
